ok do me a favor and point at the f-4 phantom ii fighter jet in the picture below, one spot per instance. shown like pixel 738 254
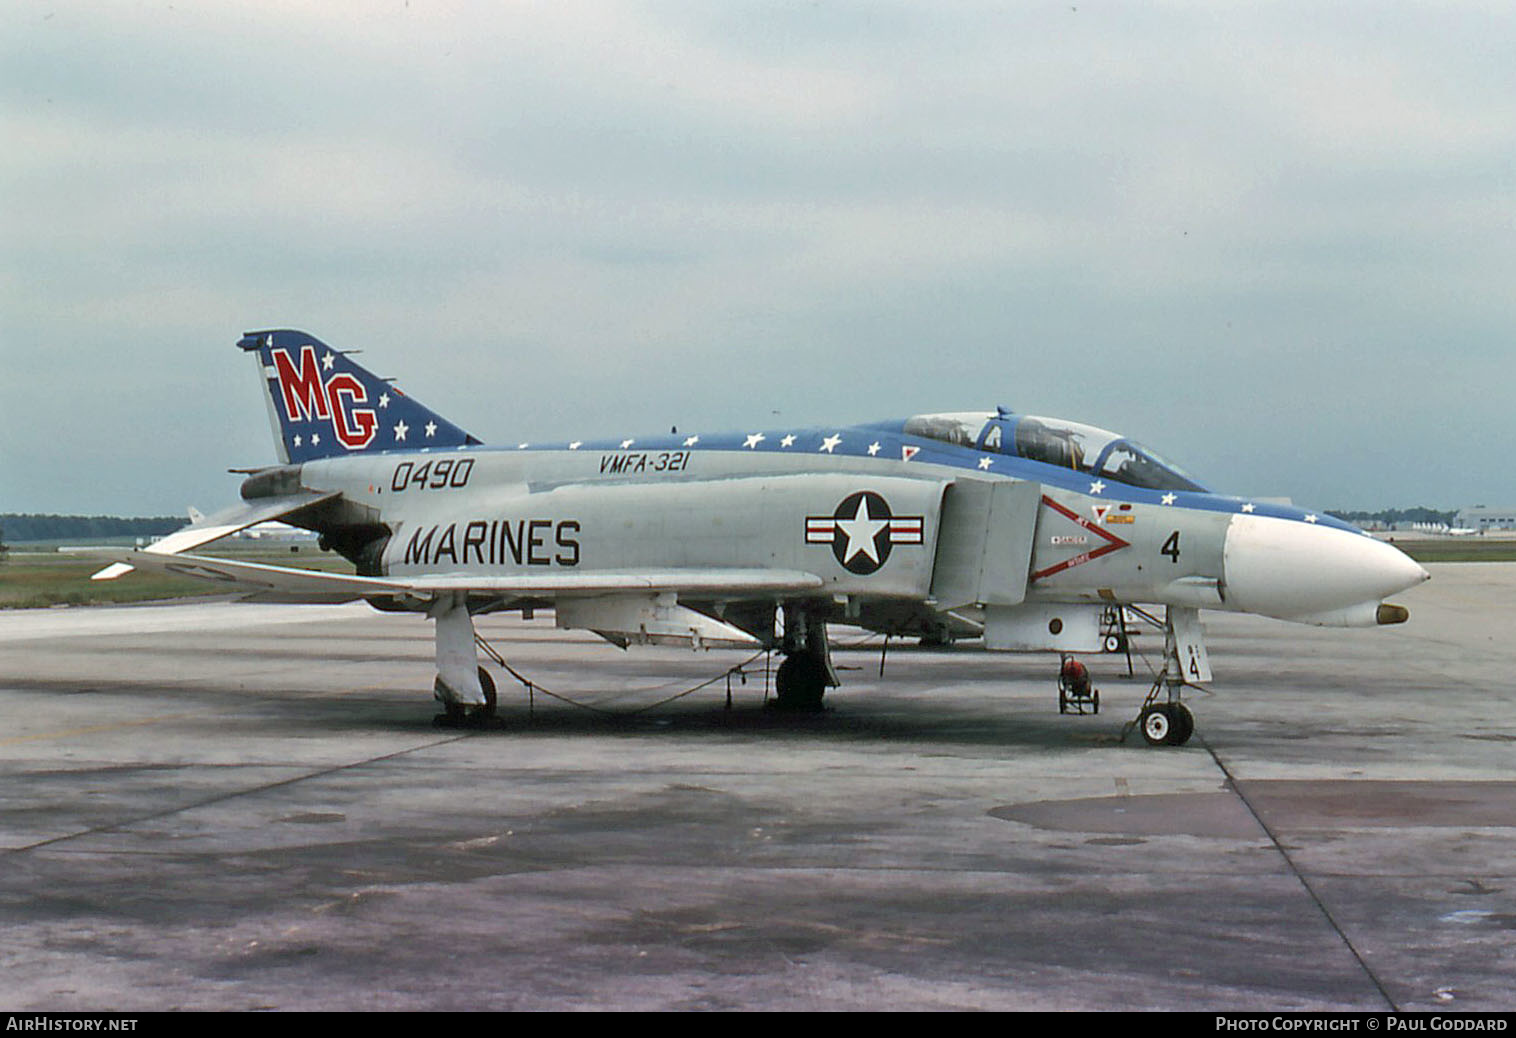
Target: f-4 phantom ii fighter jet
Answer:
pixel 1018 530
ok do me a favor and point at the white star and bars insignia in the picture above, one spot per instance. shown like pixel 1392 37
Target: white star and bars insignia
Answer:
pixel 862 531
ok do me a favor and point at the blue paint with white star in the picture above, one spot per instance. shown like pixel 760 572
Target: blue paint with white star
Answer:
pixel 888 442
pixel 401 423
pixel 336 400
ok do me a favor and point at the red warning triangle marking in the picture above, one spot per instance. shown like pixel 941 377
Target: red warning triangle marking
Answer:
pixel 1112 542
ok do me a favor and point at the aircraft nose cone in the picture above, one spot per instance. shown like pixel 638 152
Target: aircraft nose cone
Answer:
pixel 1295 570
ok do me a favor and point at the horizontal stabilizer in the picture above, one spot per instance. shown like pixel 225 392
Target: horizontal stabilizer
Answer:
pixel 223 524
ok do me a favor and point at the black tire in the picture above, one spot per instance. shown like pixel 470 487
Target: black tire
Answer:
pixel 800 682
pixel 456 715
pixel 453 714
pixel 487 683
pixel 1184 724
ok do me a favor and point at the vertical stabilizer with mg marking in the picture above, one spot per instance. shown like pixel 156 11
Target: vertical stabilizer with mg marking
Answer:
pixel 324 405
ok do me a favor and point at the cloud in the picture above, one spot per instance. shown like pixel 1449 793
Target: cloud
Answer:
pixel 577 219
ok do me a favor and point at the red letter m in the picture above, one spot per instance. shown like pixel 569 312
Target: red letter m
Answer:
pixel 304 395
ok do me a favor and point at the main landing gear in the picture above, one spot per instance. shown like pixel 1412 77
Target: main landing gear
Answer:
pixel 465 689
pixel 806 673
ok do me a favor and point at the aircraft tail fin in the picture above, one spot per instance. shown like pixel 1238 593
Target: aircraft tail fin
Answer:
pixel 323 404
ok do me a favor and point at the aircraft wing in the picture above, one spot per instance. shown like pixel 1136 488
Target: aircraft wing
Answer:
pixel 224 523
pixel 290 584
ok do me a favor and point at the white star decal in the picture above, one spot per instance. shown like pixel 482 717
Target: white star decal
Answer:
pixel 627 443
pixel 384 400
pixel 985 463
pixel 1096 487
pixel 400 430
pixel 873 448
pixel 1249 507
pixel 297 441
pixel 328 361
pixel 829 444
pixel 690 441
pixel 1168 499
pixel 860 532
pixel 315 439
pixel 431 429
pixel 576 445
pixel 753 440
pixel 1310 518
pixel 788 441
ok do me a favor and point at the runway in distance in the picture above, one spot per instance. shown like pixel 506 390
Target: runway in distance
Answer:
pixel 1026 533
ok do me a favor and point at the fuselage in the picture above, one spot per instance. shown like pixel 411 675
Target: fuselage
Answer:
pixel 876 511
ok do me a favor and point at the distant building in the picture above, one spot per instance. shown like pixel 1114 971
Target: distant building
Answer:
pixel 1487 517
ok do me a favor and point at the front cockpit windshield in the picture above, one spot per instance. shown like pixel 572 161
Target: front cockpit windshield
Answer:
pixel 1053 441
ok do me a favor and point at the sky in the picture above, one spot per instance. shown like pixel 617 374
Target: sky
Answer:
pixel 1276 242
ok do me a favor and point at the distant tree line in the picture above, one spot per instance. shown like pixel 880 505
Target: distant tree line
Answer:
pixel 1391 516
pixel 14 529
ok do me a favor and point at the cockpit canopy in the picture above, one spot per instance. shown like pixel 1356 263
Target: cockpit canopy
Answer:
pixel 1054 441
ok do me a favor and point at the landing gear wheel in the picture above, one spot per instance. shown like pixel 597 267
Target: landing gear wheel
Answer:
pixel 1115 643
pixel 800 683
pixel 1166 724
pixel 459 715
pixel 1156 724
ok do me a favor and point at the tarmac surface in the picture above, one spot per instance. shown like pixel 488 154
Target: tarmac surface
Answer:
pixel 228 807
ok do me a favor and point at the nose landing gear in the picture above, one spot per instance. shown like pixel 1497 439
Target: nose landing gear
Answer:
pixel 1164 720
